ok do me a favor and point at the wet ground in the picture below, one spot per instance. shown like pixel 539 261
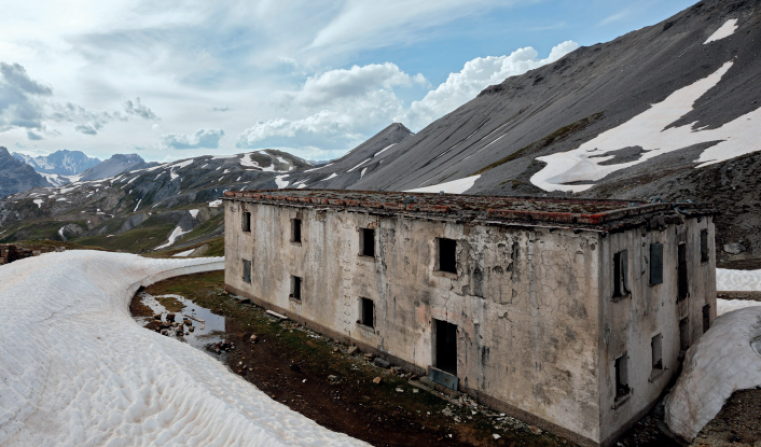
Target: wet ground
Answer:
pixel 332 385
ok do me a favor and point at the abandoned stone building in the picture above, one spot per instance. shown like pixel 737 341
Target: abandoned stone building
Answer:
pixel 572 315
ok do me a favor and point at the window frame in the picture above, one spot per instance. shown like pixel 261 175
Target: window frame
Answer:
pixel 621 287
pixel 363 305
pixel 297 229
pixel 246 221
pixel 440 255
pixel 705 253
pixel 363 238
pixel 297 288
pixel 247 271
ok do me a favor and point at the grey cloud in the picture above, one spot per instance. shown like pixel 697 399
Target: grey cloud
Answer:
pixel 32 135
pixel 16 76
pixel 87 129
pixel 136 108
pixel 203 138
pixel 21 102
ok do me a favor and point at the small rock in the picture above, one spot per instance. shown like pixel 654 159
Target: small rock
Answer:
pixel 369 357
pixel 415 391
pixel 352 350
pixel 447 412
pixel 377 380
pixel 496 436
pixel 333 378
pixel 188 323
pixel 170 317
pixel 380 362
pixel 535 430
pixel 397 369
pixel 734 248
pixel 157 317
pixel 192 328
pixel 336 349
pixel 253 338
pixel 399 390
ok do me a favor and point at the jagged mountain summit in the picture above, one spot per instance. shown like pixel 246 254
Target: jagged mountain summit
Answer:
pixel 62 162
pixel 17 176
pixel 114 166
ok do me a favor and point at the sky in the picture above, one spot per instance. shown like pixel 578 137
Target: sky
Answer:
pixel 182 78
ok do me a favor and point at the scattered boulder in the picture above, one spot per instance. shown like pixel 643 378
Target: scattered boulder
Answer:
pixel 253 338
pixel 378 380
pixel 170 317
pixel 734 248
pixel 352 350
pixel 382 363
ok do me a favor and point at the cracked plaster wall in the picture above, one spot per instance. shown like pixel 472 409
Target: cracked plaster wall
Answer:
pixel 525 301
pixel 629 324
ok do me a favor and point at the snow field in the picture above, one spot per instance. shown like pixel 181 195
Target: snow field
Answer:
pixel 738 280
pixel 650 130
pixel 453 187
pixel 78 371
pixel 726 30
pixel 720 363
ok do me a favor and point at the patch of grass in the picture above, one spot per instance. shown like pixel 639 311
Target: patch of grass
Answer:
pixel 560 134
pixel 216 247
pixel 135 240
pixel 36 231
pixel 171 304
pixel 206 227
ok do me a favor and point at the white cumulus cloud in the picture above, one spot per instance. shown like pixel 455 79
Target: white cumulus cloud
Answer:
pixel 202 139
pixel 476 75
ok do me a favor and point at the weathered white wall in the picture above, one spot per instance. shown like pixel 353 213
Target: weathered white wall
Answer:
pixel 649 310
pixel 525 301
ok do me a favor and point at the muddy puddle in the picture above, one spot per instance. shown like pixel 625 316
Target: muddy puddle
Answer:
pixel 194 325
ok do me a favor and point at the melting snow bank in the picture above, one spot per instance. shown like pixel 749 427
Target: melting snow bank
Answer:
pixel 77 370
pixel 727 29
pixel 738 280
pixel 725 359
pixel 177 232
pixel 453 187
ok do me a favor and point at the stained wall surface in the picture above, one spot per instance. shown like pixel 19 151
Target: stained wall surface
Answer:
pixel 628 324
pixel 525 301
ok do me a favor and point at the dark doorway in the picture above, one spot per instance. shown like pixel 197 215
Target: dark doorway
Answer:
pixel 446 347
pixel 682 272
pixel 367 312
pixel 706 318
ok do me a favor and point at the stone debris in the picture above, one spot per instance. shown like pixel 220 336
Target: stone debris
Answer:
pixel 369 357
pixel 380 362
pixel 378 380
pixel 253 338
pixel 352 350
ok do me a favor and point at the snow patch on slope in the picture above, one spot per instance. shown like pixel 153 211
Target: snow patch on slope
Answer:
pixel 78 371
pixel 453 187
pixel 720 363
pixel 177 232
pixel 738 280
pixel 280 182
pixel 726 30
pixel 650 130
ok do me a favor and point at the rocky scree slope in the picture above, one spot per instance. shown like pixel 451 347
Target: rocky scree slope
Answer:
pixel 166 205
pixel 671 110
pixel 16 175
pixel 142 209
pixel 63 162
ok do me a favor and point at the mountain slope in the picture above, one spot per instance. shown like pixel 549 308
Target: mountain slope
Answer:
pixel 17 176
pixel 63 162
pixel 114 166
pixel 653 107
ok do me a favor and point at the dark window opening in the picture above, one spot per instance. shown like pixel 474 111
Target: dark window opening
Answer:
pixel 620 273
pixel 706 318
pixel 448 255
pixel 704 246
pixel 296 287
pixel 246 222
pixel 656 263
pixel 684 334
pixel 296 230
pixel 682 272
pixel 246 271
pixel 446 347
pixel 622 376
pixel 367 242
pixel 367 312
pixel 656 344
